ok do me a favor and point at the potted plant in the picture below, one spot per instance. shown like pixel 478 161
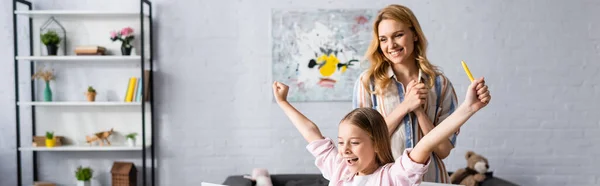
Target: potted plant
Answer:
pixel 50 139
pixel 83 175
pixel 51 40
pixel 47 76
pixel 131 139
pixel 125 36
pixel 91 94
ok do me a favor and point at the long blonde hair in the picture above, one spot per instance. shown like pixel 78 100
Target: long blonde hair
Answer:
pixel 373 123
pixel 379 64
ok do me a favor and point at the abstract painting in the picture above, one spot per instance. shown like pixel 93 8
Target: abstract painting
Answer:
pixel 318 53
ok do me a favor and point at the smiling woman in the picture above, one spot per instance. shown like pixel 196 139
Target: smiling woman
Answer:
pixel 401 83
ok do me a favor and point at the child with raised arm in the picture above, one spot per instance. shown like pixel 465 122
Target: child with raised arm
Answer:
pixel 363 155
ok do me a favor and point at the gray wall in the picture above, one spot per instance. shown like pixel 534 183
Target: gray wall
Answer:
pixel 216 118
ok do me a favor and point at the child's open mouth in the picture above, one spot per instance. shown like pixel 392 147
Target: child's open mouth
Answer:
pixel 351 161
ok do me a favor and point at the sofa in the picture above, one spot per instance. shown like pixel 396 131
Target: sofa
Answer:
pixel 281 180
pixel 318 180
pixel 490 180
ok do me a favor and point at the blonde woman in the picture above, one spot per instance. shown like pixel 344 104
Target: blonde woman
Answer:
pixel 402 85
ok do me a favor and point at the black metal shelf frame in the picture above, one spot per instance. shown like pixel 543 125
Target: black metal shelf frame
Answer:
pixel 142 4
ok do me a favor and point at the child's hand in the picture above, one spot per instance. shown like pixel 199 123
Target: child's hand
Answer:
pixel 415 95
pixel 280 91
pixel 478 95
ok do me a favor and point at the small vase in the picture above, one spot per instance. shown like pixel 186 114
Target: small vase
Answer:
pixel 52 49
pixel 125 50
pixel 84 183
pixel 47 92
pixel 50 143
pixel 131 142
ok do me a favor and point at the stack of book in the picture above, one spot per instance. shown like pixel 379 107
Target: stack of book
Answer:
pixel 135 87
pixel 90 50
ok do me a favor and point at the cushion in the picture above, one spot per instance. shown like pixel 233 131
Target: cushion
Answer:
pixel 310 182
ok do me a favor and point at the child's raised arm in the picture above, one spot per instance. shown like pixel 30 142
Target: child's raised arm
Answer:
pixel 307 128
pixel 477 97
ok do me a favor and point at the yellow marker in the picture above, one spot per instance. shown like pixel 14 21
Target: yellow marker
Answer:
pixel 467 70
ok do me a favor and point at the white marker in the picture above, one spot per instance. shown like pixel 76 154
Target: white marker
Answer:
pixel 419 80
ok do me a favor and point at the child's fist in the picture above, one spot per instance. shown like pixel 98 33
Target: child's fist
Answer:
pixel 478 95
pixel 280 91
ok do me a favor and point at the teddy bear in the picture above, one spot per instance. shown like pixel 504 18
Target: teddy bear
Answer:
pixel 260 176
pixel 474 173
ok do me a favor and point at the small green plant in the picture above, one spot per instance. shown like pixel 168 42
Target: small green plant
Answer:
pixel 50 38
pixel 131 135
pixel 83 174
pixel 49 135
pixel 91 89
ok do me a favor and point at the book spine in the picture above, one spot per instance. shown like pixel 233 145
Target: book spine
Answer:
pixel 138 94
pixel 130 89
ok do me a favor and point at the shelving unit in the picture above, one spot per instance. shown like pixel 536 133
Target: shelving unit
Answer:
pixel 84 148
pixel 82 58
pixel 79 13
pixel 75 103
pixel 29 102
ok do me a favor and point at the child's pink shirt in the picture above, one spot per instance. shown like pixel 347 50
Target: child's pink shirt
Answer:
pixel 403 171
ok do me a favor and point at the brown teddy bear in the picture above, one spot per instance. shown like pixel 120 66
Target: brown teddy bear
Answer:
pixel 477 166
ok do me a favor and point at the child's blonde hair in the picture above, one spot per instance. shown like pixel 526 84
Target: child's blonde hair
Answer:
pixel 379 64
pixel 370 121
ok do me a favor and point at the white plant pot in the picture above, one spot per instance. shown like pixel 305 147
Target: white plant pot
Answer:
pixel 131 142
pixel 84 183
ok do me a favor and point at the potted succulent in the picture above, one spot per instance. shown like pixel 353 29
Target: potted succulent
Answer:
pixel 131 139
pixel 91 94
pixel 51 40
pixel 50 139
pixel 83 175
pixel 125 36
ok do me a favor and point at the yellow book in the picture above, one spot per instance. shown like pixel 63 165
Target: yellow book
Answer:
pixel 135 89
pixel 130 89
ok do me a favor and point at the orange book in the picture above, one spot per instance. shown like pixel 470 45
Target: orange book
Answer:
pixel 131 89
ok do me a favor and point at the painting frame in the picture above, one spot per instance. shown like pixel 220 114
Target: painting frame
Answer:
pixel 319 53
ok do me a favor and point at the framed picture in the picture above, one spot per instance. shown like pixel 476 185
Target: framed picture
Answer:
pixel 319 53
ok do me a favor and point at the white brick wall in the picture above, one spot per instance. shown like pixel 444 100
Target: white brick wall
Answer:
pixel 7 108
pixel 540 58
